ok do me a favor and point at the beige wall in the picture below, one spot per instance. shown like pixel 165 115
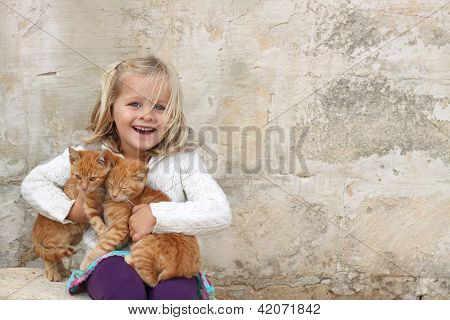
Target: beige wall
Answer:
pixel 353 93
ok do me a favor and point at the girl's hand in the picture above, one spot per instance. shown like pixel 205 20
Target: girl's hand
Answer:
pixel 141 222
pixel 76 213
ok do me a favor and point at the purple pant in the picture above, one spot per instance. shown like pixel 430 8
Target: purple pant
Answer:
pixel 114 279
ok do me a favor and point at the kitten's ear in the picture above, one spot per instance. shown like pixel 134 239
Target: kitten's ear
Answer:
pixel 102 159
pixel 107 159
pixel 74 156
pixel 141 174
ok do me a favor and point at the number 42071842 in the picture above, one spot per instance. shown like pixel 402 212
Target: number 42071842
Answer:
pixel 288 308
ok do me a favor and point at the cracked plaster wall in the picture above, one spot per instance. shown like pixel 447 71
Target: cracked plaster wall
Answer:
pixel 359 205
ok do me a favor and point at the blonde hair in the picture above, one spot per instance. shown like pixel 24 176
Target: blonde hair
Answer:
pixel 176 135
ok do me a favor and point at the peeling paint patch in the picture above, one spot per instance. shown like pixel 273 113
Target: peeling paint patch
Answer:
pixel 358 116
pixel 441 113
pixel 343 28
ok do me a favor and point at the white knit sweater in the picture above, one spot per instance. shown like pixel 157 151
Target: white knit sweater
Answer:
pixel 198 205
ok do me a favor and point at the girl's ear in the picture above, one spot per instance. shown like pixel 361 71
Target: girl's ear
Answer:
pixel 141 174
pixel 74 156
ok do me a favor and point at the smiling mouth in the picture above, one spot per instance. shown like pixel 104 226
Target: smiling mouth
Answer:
pixel 143 130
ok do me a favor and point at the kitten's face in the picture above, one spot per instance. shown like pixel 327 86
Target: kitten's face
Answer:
pixel 126 180
pixel 89 169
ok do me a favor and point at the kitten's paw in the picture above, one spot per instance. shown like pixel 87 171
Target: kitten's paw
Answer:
pixel 86 262
pixel 152 282
pixel 128 259
pixel 150 277
pixel 70 251
pixel 53 275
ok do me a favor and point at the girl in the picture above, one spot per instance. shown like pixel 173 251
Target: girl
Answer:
pixel 139 115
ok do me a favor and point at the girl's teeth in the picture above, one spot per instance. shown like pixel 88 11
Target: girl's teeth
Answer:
pixel 144 129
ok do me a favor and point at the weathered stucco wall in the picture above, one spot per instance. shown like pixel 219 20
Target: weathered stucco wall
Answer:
pixel 327 123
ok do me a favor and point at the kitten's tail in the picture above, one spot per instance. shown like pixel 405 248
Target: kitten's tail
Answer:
pixel 26 257
pixel 52 254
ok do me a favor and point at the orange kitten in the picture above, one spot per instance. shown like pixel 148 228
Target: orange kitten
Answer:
pixel 52 240
pixel 157 256
pixel 90 169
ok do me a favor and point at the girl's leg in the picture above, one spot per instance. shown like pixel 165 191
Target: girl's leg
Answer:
pixel 174 289
pixel 114 279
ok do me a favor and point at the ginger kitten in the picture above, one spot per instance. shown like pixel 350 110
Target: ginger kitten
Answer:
pixel 158 257
pixel 155 257
pixel 90 169
pixel 52 240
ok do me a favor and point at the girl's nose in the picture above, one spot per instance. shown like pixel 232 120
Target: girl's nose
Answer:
pixel 147 115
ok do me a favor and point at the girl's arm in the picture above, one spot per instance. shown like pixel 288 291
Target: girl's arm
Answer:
pixel 42 188
pixel 207 209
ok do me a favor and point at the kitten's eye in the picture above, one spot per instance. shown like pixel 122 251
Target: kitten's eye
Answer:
pixel 135 105
pixel 77 177
pixel 160 108
pixel 93 179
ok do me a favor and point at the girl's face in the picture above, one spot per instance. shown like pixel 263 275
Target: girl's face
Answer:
pixel 139 128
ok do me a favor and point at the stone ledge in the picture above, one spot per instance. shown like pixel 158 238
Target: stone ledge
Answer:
pixel 31 284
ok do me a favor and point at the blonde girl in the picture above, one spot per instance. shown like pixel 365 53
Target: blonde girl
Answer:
pixel 139 115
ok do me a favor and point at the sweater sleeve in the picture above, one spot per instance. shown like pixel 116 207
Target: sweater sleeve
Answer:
pixel 206 210
pixel 43 188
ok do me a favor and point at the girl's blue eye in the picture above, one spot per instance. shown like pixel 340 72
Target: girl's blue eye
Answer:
pixel 135 104
pixel 159 107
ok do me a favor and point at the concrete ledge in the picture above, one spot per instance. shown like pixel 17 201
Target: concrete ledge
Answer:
pixel 31 284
